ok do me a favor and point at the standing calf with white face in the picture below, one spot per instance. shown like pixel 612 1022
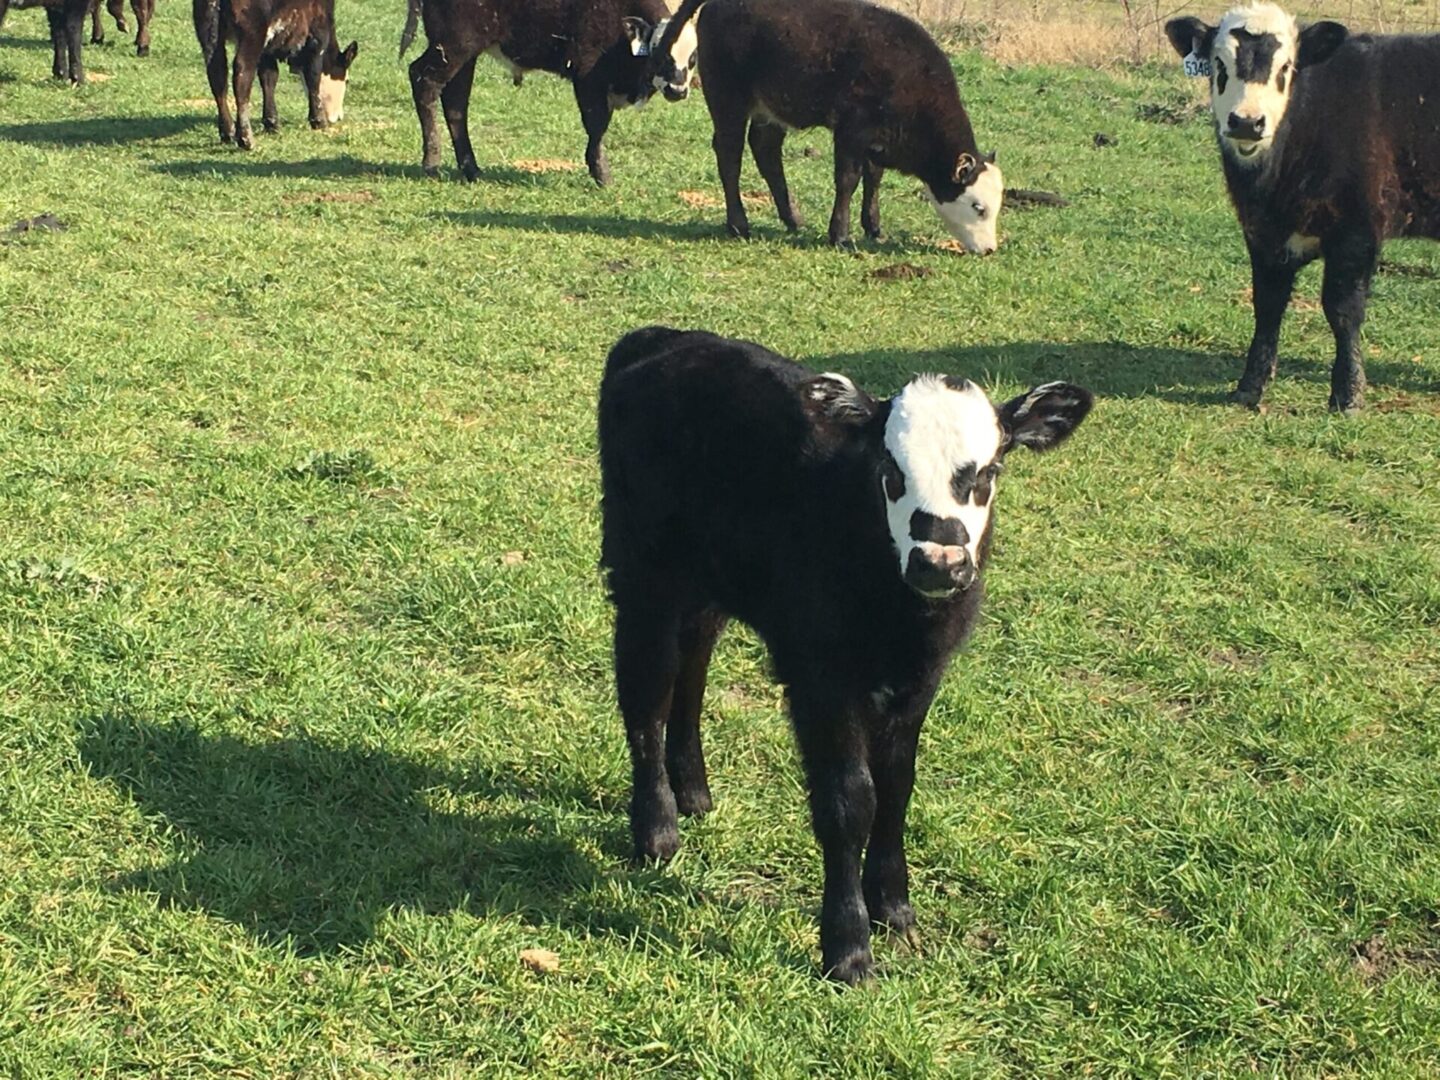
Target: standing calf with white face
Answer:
pixel 872 76
pixel 1331 146
pixel 850 532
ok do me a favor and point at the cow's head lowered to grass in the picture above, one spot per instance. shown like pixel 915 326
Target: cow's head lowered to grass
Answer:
pixel 334 74
pixel 1253 57
pixel 668 68
pixel 942 446
pixel 969 204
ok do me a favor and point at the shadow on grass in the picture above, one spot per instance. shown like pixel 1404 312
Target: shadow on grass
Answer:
pixel 307 844
pixel 1110 369
pixel 10 41
pixel 230 162
pixel 581 224
pixel 99 130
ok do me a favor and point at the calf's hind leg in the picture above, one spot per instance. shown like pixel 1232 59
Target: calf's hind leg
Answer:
pixel 870 199
pixel 767 142
pixel 1349 266
pixel 269 76
pixel 215 70
pixel 684 757
pixel 430 72
pixel 455 99
pixel 646 663
pixel 60 66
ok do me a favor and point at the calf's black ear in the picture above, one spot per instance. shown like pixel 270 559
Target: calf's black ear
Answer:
pixel 1318 41
pixel 834 399
pixel 1045 416
pixel 1188 34
pixel 348 56
pixel 638 31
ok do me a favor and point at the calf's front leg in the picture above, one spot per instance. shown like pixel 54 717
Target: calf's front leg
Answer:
pixel 247 62
pixel 595 114
pixel 1349 267
pixel 646 661
pixel 842 810
pixel 269 76
pixel 887 877
pixel 1272 282
pixel 455 100
pixel 848 168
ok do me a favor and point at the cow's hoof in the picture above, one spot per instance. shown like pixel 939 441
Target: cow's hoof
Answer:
pixel 694 801
pixel 847 246
pixel 142 50
pixel 852 969
pixel 876 237
pixel 897 918
pixel 469 172
pixel 1250 399
pixel 658 845
pixel 432 171
pixel 272 127
pixel 97 39
pixel 244 140
pixel 601 176
pixel 737 232
pixel 1348 406
pixel 317 125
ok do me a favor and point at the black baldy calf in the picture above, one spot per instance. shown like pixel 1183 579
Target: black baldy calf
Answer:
pixel 849 532
pixel 601 46
pixel 872 76
pixel 1330 143
pixel 301 32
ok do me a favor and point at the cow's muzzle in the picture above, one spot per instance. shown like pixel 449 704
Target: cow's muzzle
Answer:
pixel 939 571
pixel 675 93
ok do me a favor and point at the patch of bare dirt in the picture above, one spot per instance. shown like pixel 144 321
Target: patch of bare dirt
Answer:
pixel 1376 960
pixel 544 165
pixel 1408 403
pixel 700 200
pixel 902 271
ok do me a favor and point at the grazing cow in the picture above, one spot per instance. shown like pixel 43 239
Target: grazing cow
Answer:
pixel 67 31
pixel 144 12
pixel 849 532
pixel 1330 143
pixel 301 32
pixel 601 46
pixel 872 76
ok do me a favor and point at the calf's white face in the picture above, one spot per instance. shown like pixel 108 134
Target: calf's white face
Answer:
pixel 971 217
pixel 1254 55
pixel 333 80
pixel 671 72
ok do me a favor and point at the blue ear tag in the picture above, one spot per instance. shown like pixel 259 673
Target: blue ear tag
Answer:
pixel 639 47
pixel 1197 67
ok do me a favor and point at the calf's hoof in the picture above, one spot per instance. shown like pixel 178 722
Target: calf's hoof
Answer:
pixel 1351 406
pixel 738 230
pixel 657 845
pixel 432 171
pixel 877 236
pixel 897 918
pixel 845 245
pixel 694 801
pixel 142 50
pixel 1245 397
pixel 317 125
pixel 245 140
pixel 600 174
pixel 271 127
pixel 97 39
pixel 469 172
pixel 851 969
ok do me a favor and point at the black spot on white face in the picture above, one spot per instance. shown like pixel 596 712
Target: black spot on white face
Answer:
pixel 927 528
pixel 962 483
pixel 892 477
pixel 1254 55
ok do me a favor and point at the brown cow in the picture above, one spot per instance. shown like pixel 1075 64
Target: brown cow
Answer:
pixel 144 12
pixel 301 32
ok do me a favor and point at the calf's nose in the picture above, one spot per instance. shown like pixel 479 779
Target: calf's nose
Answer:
pixel 1246 127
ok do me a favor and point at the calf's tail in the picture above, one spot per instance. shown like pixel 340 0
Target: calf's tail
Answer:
pixel 207 25
pixel 412 21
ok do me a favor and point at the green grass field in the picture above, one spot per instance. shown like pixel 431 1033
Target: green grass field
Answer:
pixel 306 721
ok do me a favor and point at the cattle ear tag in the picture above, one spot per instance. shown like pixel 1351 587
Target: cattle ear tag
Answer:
pixel 639 47
pixel 1197 67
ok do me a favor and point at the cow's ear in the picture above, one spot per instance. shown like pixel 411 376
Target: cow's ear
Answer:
pixel 348 56
pixel 1189 34
pixel 989 157
pixel 965 169
pixel 638 31
pixel 1045 416
pixel 1318 41
pixel 834 399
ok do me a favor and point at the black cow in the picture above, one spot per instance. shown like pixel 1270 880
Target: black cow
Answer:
pixel 1331 145
pixel 850 532
pixel 301 32
pixel 872 76
pixel 601 46
pixel 67 32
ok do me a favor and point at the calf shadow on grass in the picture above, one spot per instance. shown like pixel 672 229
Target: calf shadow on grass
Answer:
pixel 580 224
pixel 230 163
pixel 99 130
pixel 1109 369
pixel 307 844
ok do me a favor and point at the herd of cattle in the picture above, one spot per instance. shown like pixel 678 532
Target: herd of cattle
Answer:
pixel 849 531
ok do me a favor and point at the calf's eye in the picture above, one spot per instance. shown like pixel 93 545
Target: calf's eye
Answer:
pixel 1220 77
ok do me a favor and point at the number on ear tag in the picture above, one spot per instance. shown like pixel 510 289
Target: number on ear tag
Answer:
pixel 1197 67
pixel 639 47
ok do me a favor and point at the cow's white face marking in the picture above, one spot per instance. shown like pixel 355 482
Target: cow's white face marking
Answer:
pixel 1252 71
pixel 332 98
pixel 945 439
pixel 675 83
pixel 971 217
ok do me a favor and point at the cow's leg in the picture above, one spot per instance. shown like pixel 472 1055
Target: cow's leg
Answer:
pixel 75 40
pixel 60 66
pixel 116 8
pixel 646 663
pixel 144 10
pixel 455 100
pixel 842 809
pixel 1349 266
pixel 870 176
pixel 247 62
pixel 848 166
pixel 595 114
pixel 729 144
pixel 887 878
pixel 684 757
pixel 766 144
pixel 312 67
pixel 1272 282
pixel 215 65
pixel 97 27
pixel 269 76
pixel 429 73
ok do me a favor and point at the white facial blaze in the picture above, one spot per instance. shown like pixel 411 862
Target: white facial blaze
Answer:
pixel 682 55
pixel 971 218
pixel 1250 101
pixel 332 99
pixel 934 430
